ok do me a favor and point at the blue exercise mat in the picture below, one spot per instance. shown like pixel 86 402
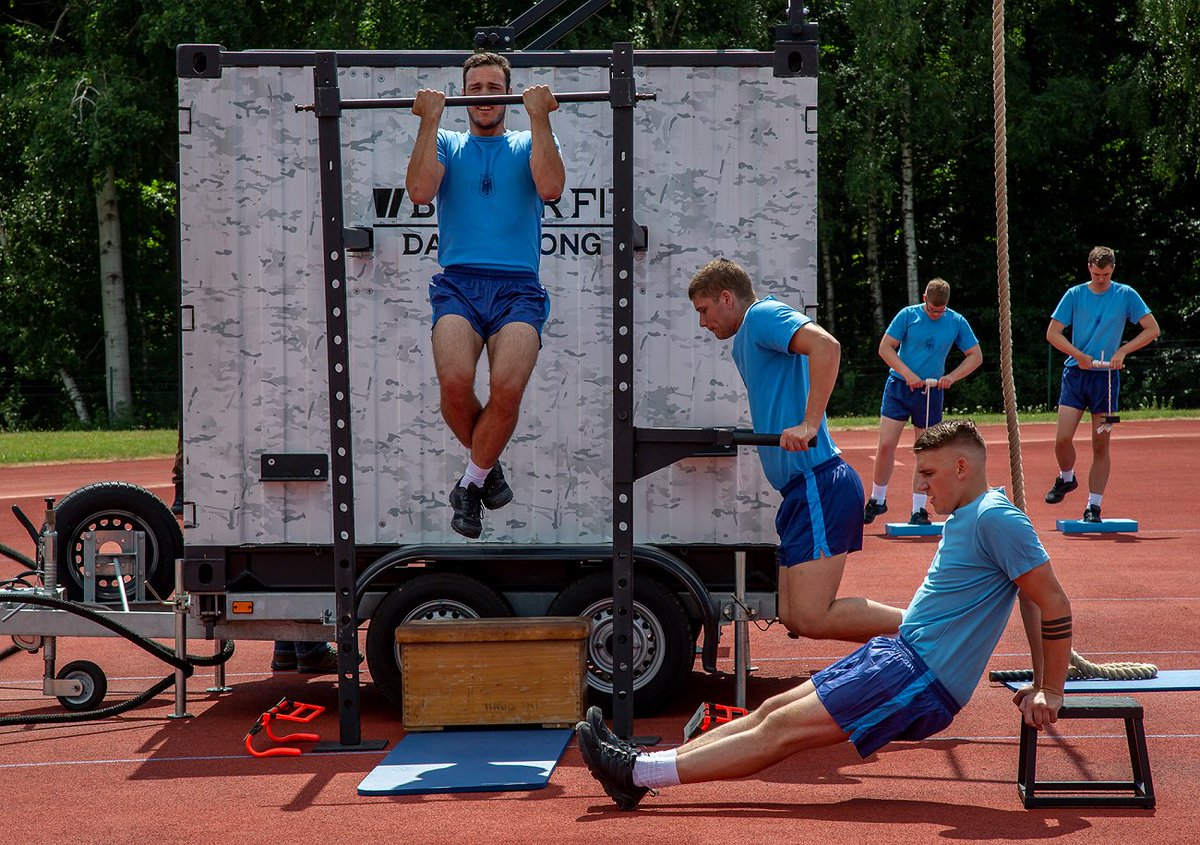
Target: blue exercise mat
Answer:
pixel 1168 680
pixel 468 761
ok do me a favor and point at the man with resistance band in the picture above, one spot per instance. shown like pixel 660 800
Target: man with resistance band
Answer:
pixel 1097 311
pixel 907 687
pixel 490 185
pixel 915 346
pixel 789 365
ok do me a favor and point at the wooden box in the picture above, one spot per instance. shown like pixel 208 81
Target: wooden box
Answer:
pixel 513 671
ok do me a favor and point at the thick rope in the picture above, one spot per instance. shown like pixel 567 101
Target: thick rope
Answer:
pixel 1080 666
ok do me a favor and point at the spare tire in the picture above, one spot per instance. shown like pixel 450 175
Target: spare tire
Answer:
pixel 116 506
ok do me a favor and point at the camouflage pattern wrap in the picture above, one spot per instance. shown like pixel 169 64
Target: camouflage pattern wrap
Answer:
pixel 726 165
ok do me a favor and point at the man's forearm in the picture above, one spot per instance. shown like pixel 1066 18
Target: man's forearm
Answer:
pixel 545 162
pixel 421 179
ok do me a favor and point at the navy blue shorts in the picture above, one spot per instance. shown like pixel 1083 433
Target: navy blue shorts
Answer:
pixel 1087 390
pixel 489 299
pixel 821 512
pixel 882 692
pixel 900 403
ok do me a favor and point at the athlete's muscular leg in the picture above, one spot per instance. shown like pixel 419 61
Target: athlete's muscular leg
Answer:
pixel 754 718
pixel 456 351
pixel 800 723
pixel 1101 458
pixel 809 605
pixel 1064 447
pixel 885 451
pixel 512 352
pixel 917 432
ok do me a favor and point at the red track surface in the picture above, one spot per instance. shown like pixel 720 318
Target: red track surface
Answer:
pixel 141 777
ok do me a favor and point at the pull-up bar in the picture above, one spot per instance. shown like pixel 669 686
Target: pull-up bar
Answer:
pixel 483 100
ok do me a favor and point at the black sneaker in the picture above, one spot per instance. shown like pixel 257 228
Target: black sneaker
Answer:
pixel 872 510
pixel 177 505
pixel 496 492
pixel 920 517
pixel 468 518
pixel 1092 514
pixel 612 766
pixel 283 661
pixel 1060 489
pixel 600 730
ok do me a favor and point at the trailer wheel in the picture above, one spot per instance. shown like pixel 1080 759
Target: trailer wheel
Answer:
pixel 117 506
pixel 663 648
pixel 91 677
pixel 438 597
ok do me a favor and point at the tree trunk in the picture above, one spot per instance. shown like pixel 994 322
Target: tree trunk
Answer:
pixel 827 277
pixel 823 248
pixel 112 302
pixel 873 264
pixel 906 212
pixel 81 408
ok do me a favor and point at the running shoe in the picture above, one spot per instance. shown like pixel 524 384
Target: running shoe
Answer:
pixel 1060 490
pixel 872 510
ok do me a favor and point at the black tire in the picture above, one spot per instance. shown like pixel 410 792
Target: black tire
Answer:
pixel 438 596
pixel 91 676
pixel 115 505
pixel 663 648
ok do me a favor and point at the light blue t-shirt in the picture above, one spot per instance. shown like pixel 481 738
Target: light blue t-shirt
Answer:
pixel 925 342
pixel 960 610
pixel 1097 320
pixel 489 211
pixel 777 385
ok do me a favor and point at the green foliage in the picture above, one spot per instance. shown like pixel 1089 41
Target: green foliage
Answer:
pixel 1103 118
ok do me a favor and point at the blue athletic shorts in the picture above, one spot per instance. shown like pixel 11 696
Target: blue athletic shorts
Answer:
pixel 884 691
pixel 1087 390
pixel 489 299
pixel 821 512
pixel 900 403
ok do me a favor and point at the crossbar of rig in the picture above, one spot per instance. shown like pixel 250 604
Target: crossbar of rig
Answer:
pixel 481 100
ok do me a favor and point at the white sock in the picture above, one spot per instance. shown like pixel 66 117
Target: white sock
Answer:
pixel 1067 474
pixel 919 500
pixel 474 475
pixel 1094 498
pixel 879 492
pixel 655 770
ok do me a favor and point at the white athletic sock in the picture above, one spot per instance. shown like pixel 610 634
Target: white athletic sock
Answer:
pixel 474 475
pixel 655 769
pixel 1094 498
pixel 919 500
pixel 879 492
pixel 1067 474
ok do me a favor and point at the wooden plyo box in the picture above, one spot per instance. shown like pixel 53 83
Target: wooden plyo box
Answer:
pixel 515 671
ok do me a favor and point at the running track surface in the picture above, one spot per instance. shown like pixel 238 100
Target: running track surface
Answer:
pixel 141 777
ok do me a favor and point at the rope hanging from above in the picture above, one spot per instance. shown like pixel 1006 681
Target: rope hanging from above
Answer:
pixel 1081 667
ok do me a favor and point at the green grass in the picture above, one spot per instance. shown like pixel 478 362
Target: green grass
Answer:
pixel 1025 417
pixel 38 447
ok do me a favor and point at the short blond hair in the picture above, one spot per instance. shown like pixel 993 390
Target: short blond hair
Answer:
pixel 718 275
pixel 937 292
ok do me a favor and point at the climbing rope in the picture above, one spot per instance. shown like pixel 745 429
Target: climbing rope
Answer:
pixel 1080 666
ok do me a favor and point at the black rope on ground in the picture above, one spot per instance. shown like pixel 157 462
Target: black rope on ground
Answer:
pixel 91 715
pixel 187 664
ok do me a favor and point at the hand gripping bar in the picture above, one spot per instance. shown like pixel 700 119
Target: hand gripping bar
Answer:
pixel 483 100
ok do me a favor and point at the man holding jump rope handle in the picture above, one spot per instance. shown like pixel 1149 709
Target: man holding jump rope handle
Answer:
pixel 1097 312
pixel 490 185
pixel 915 346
